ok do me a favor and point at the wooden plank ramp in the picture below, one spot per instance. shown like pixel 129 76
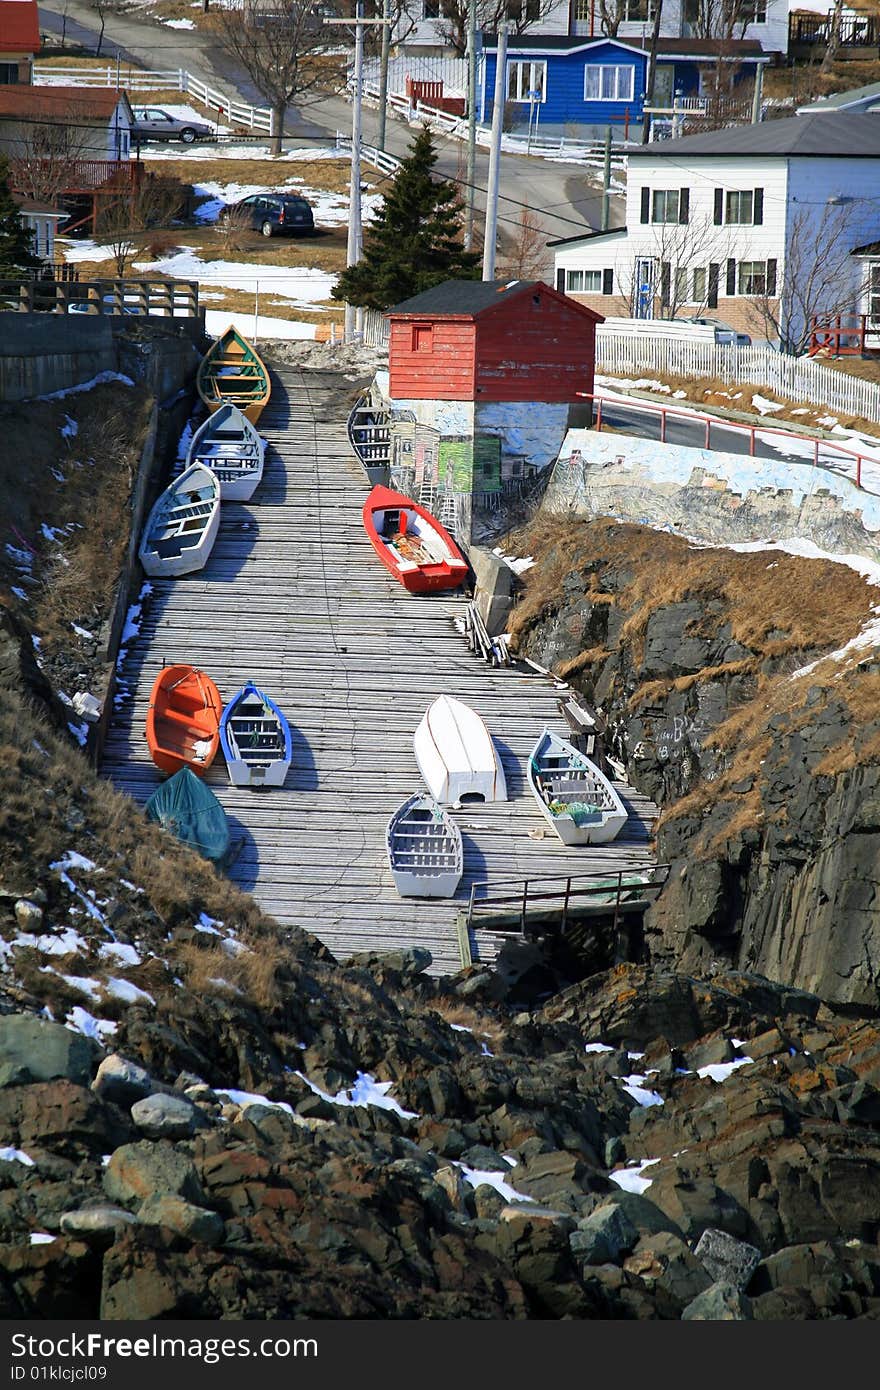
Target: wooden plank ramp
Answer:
pixel 294 598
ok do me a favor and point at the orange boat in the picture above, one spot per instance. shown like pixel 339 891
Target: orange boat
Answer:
pixel 183 720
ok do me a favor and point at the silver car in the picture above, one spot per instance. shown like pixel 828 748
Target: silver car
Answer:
pixel 152 123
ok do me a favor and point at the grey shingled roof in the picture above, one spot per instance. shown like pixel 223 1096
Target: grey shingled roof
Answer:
pixel 459 297
pixel 843 135
pixel 856 96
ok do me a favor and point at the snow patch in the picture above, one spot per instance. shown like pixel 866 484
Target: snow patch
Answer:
pixel 630 1179
pixel 81 1021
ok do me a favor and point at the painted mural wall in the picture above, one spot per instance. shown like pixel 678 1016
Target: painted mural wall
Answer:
pixel 466 460
pixel 712 496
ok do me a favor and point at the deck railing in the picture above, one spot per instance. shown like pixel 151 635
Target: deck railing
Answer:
pixel 129 79
pixel 506 905
pixel 155 297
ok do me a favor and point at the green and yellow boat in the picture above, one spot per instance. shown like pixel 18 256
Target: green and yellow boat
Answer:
pixel 232 373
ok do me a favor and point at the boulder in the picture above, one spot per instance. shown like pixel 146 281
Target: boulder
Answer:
pixel 145 1169
pixel 727 1259
pixel 33 1049
pixel 407 960
pixel 184 1218
pixel 645 1215
pixel 721 1302
pixel 167 1117
pixel 603 1236
pixel 28 915
pixel 121 1081
pixel 96 1225
pixel 668 1269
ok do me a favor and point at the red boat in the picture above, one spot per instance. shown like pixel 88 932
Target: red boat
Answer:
pixel 183 720
pixel 411 543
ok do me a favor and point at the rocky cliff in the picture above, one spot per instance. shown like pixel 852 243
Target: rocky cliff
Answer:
pixel 736 702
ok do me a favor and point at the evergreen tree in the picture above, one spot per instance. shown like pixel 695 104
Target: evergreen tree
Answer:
pixel 16 239
pixel 414 240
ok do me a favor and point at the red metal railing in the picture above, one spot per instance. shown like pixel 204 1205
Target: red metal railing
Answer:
pixel 696 416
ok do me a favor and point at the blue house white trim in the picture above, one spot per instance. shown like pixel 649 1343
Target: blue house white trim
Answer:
pixel 596 82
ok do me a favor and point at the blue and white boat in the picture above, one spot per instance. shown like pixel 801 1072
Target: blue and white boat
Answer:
pixel 574 797
pixel 255 738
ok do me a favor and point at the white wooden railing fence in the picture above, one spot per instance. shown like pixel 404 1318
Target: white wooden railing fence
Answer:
pixel 795 378
pixel 131 79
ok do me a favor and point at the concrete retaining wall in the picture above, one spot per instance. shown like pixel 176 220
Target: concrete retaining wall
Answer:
pixel 716 497
pixel 42 353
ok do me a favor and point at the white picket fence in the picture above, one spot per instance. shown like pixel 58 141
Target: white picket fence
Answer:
pixel 795 378
pixel 130 79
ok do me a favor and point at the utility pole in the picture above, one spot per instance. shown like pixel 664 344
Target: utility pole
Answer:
pixel 383 72
pixel 471 174
pixel 495 156
pixel 353 248
pixel 606 180
pixel 758 94
pixel 652 69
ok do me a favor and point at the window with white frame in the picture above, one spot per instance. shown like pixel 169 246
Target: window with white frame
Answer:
pixel 752 277
pixel 524 80
pixel 699 285
pixel 682 279
pixel 740 207
pixel 753 11
pixel 609 81
pixel 583 281
pixel 637 11
pixel 665 204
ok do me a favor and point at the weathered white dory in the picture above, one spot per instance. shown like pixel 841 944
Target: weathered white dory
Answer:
pixel 182 527
pixel 424 849
pixel 230 446
pixel 575 798
pixel 256 739
pixel 456 755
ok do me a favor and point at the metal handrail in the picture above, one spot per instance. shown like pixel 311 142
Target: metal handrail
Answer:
pixel 576 886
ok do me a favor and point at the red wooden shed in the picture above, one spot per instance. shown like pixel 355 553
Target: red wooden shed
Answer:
pixel 495 340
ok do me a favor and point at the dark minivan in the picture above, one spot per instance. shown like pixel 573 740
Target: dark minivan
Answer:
pixel 274 214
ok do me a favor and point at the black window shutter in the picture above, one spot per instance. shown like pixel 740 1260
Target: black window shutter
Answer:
pixel 684 204
pixel 607 281
pixel 719 206
pixel 714 277
pixel 665 280
pixel 771 277
pixel 560 280
pixel 758 208
pixel 730 290
pixel 646 204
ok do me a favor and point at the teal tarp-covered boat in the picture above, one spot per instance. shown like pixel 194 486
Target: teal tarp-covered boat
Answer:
pixel 191 811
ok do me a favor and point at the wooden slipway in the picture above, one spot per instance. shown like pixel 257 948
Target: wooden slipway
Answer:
pixel 294 598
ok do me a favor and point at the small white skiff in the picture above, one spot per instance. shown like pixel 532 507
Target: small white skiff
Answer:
pixel 456 755
pixel 424 849
pixel 574 797
pixel 182 527
pixel 230 446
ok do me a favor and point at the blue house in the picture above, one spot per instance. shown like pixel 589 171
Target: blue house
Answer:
pixel 559 81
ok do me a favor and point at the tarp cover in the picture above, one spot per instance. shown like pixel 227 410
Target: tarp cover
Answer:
pixel 191 811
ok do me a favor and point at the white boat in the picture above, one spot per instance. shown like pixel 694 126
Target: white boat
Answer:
pixel 230 446
pixel 424 849
pixel 574 797
pixel 182 527
pixel 255 738
pixel 456 755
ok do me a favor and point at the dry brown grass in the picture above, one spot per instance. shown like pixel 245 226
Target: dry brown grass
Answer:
pixel 591 657
pixel 714 393
pixel 653 691
pixel 483 1026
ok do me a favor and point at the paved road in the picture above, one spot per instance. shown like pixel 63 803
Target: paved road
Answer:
pixel 564 195
pixel 645 423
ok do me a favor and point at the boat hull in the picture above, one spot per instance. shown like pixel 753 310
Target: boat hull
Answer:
pixel 424 850
pixel 411 543
pixel 182 526
pixel 232 373
pixel 456 755
pixel 256 740
pixel 577 800
pixel 229 445
pixel 183 720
